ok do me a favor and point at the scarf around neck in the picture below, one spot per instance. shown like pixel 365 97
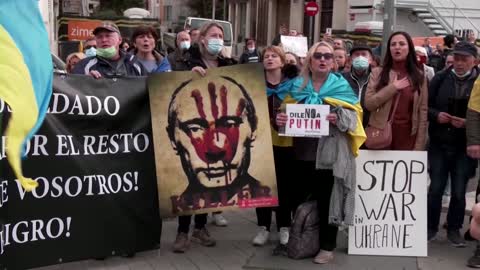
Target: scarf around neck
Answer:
pixel 282 90
pixel 334 87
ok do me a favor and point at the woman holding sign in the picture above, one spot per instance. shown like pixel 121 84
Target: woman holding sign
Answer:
pixel 207 53
pixel 278 77
pixel 397 97
pixel 318 84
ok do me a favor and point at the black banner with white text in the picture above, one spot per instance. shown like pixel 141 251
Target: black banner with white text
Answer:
pixel 93 160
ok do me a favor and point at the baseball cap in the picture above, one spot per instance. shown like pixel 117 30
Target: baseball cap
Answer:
pixel 360 47
pixel 465 48
pixel 107 25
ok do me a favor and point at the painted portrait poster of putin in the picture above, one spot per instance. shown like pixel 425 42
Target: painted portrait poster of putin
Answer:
pixel 212 141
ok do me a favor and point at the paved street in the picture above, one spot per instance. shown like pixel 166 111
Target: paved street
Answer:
pixel 234 252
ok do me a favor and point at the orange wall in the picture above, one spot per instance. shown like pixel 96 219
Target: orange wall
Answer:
pixel 418 41
pixel 81 29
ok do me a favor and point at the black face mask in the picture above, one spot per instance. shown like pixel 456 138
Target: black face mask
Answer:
pixel 290 71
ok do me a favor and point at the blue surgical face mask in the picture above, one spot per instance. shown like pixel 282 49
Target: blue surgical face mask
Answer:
pixel 185 45
pixel 91 52
pixel 461 76
pixel 360 63
pixel 214 46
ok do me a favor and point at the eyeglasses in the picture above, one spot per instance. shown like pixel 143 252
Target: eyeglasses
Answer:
pixel 90 46
pixel 326 56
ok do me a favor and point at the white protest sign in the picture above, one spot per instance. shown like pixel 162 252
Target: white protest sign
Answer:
pixel 306 120
pixel 296 45
pixel 390 204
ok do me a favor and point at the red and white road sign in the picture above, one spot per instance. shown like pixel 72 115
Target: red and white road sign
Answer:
pixel 311 8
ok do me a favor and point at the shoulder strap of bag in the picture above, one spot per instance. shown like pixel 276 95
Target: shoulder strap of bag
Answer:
pixel 392 114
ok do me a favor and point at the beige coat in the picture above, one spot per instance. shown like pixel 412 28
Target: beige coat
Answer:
pixel 379 104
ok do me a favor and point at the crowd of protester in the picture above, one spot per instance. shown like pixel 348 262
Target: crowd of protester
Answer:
pixel 422 91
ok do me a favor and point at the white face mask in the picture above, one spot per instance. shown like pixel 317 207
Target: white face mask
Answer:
pixel 466 74
pixel 214 46
pixel 251 49
pixel 185 45
pixel 91 52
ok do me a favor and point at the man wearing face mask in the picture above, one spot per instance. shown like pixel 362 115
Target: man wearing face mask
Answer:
pixel 361 56
pixel 449 93
pixel 109 60
pixel 90 47
pixel 251 54
pixel 177 58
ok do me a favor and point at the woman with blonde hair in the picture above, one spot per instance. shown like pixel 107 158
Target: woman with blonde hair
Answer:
pixel 319 159
pixel 209 50
pixel 73 59
pixel 205 54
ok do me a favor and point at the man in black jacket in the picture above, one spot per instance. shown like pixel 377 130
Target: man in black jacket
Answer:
pixel 110 61
pixel 361 56
pixel 183 44
pixel 449 93
pixel 251 54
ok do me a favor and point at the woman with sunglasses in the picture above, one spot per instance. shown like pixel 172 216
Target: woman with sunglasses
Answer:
pixel 278 78
pixel 317 84
pixel 401 81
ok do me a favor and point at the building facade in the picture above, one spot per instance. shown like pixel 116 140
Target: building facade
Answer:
pixel 171 13
pixel 78 7
pixel 262 19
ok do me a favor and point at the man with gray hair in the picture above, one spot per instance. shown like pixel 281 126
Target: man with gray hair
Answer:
pixel 449 94
pixel 177 59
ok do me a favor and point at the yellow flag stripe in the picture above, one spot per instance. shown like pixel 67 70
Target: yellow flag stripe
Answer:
pixel 16 89
pixel 474 102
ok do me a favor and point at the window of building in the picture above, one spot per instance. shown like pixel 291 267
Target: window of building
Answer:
pixel 168 13
pixel 243 23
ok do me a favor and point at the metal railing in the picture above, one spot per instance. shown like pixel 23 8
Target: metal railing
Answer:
pixel 453 11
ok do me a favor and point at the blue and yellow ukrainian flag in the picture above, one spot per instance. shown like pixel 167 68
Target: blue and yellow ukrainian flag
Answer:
pixel 26 75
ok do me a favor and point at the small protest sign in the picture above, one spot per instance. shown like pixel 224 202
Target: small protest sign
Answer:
pixel 305 120
pixel 296 45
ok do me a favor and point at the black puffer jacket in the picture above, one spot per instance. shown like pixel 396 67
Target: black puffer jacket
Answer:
pixel 177 60
pixel 193 58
